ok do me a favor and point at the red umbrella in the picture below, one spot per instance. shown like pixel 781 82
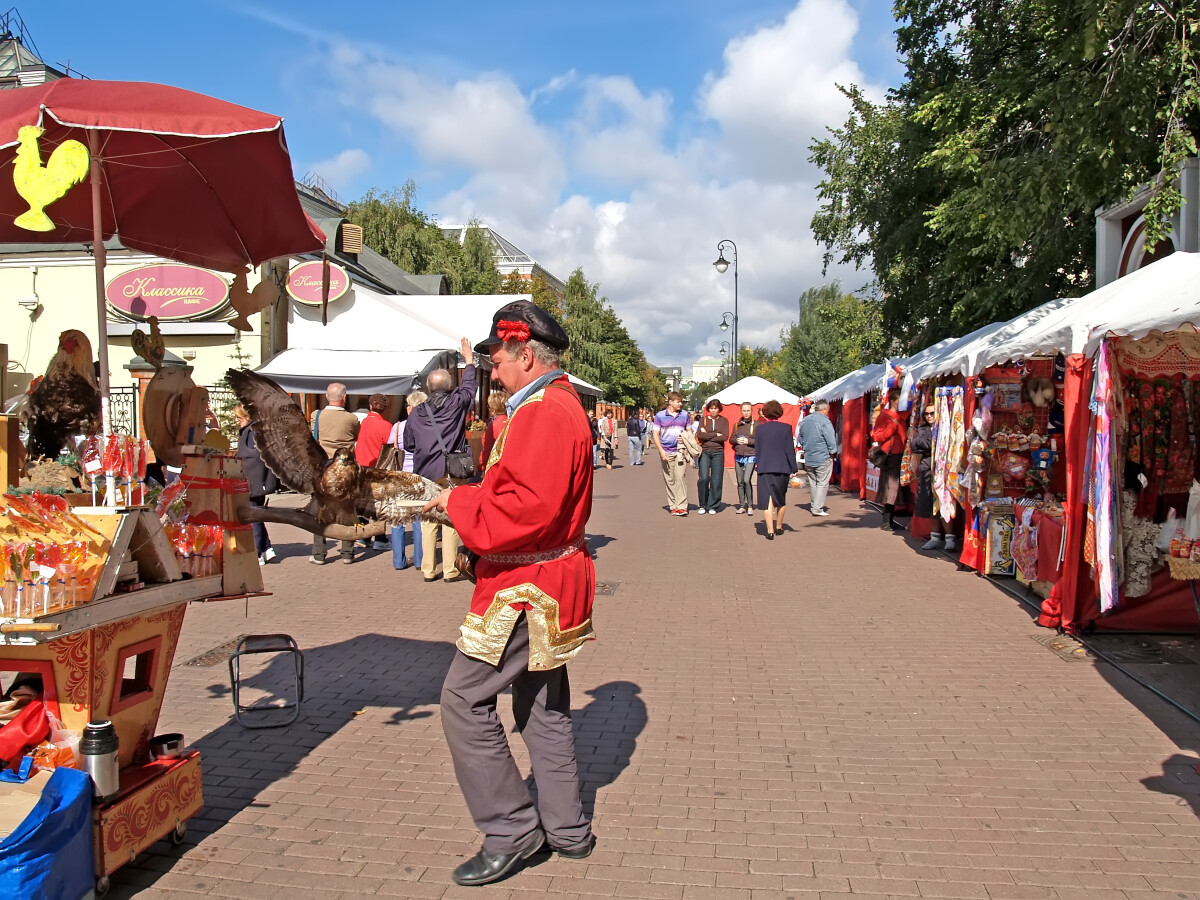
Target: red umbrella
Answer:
pixel 171 172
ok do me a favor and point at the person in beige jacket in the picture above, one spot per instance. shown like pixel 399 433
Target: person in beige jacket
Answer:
pixel 335 429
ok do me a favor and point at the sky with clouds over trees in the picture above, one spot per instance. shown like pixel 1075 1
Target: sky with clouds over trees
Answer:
pixel 626 138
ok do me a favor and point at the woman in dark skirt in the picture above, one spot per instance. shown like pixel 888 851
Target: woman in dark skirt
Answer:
pixel 775 461
pixel 889 433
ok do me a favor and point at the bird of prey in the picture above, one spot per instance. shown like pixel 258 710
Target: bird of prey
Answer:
pixel 340 488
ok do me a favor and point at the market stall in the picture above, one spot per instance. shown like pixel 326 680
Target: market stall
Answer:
pixel 94 598
pixel 92 604
pixel 1054 435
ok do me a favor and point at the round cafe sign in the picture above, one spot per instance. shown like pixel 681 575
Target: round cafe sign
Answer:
pixel 304 282
pixel 170 291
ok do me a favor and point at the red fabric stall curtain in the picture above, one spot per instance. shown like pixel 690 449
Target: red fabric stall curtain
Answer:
pixel 835 410
pixel 1074 590
pixel 854 444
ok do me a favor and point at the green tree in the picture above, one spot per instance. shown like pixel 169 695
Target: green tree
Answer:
pixel 396 229
pixel 836 333
pixel 970 192
pixel 602 351
pixel 477 272
pixel 539 290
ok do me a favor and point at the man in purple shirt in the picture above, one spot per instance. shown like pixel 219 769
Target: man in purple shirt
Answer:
pixel 444 414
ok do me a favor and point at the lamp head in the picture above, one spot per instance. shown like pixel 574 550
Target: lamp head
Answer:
pixel 724 325
pixel 722 351
pixel 722 263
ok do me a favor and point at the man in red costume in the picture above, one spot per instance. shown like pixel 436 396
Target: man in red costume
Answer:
pixel 532 606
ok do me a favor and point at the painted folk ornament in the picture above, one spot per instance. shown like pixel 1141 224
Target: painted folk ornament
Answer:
pixel 40 185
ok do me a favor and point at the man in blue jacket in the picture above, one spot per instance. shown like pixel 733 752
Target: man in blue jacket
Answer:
pixel 819 443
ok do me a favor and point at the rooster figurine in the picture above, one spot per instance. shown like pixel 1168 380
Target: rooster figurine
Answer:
pixel 150 347
pixel 67 401
pixel 42 185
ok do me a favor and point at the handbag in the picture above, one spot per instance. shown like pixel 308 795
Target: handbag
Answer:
pixel 391 458
pixel 877 455
pixel 460 464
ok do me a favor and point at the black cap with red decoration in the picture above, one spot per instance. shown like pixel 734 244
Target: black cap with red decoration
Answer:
pixel 523 320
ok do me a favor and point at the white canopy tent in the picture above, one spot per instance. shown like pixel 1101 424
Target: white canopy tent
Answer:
pixel 383 343
pixel 755 390
pixel 1163 296
pixel 851 385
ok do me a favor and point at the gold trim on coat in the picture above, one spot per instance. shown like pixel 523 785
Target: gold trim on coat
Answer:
pixel 485 637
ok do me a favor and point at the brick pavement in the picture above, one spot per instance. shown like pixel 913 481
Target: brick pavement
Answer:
pixel 830 713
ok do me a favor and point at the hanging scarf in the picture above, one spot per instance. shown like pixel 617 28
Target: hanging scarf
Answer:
pixel 1106 456
pixel 958 447
pixel 948 450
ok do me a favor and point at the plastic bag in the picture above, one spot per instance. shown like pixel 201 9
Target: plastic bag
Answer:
pixel 1191 526
pixel 1169 527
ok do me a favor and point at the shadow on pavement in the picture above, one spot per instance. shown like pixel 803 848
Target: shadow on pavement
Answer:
pixel 341 679
pixel 606 735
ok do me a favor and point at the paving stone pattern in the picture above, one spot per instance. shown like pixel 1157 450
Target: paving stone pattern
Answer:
pixel 831 713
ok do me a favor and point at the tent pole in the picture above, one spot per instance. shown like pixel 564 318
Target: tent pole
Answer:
pixel 100 257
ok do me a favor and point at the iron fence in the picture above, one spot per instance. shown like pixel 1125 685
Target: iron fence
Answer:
pixel 123 409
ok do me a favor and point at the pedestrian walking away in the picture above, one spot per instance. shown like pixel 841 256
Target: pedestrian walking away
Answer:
pixel 743 458
pixel 335 428
pixel 819 443
pixel 530 610
pixel 635 430
pixel 403 534
pixel 437 428
pixel 775 463
pixel 713 435
pixel 668 424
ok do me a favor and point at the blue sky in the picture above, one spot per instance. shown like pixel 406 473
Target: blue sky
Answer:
pixel 626 137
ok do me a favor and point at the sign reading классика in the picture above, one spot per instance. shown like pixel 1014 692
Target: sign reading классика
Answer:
pixel 305 280
pixel 170 291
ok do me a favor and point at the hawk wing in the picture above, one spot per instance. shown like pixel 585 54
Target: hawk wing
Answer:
pixel 284 439
pixel 397 497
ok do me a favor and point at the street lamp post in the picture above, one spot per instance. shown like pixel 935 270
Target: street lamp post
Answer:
pixel 723 373
pixel 721 265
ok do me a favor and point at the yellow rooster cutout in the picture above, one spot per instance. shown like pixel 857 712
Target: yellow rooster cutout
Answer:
pixel 42 185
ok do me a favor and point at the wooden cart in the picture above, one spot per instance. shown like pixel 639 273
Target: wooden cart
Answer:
pixel 110 657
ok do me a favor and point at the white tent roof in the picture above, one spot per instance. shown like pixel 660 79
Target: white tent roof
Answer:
pixel 753 389
pixel 853 384
pixel 1163 296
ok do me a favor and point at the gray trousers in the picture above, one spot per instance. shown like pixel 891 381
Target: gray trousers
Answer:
pixel 491 783
pixel 818 483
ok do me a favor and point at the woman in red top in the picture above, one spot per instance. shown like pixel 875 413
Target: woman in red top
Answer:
pixel 498 413
pixel 889 434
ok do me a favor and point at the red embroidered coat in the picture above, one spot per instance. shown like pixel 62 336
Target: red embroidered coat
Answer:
pixel 526 520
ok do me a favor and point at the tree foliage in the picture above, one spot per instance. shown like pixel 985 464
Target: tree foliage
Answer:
pixel 396 229
pixel 602 351
pixel 971 190
pixel 836 333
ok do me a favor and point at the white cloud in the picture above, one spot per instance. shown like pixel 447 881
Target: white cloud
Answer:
pixel 633 189
pixel 778 89
pixel 342 169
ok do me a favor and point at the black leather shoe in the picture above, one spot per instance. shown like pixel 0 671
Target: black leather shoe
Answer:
pixel 578 852
pixel 484 867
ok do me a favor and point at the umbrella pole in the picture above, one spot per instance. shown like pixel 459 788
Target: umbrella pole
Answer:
pixel 100 254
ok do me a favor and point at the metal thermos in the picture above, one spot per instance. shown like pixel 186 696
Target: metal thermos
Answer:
pixel 98 746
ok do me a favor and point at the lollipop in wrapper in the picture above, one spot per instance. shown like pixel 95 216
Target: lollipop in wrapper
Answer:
pixel 112 467
pixel 89 459
pixel 128 466
pixel 141 459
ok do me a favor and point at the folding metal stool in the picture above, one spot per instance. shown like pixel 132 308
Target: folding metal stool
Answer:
pixel 266 643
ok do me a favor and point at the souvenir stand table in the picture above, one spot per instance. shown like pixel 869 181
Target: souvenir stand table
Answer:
pixel 108 654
